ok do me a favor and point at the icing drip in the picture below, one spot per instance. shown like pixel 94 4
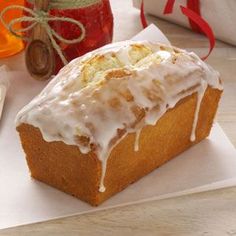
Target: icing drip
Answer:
pixel 98 99
pixel 102 187
pixel 200 96
pixel 136 142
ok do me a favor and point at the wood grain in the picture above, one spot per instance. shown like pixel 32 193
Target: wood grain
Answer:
pixel 207 214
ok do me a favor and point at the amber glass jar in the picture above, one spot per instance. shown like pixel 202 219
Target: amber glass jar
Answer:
pixel 9 44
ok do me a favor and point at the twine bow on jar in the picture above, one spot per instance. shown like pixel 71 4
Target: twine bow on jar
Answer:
pixel 39 52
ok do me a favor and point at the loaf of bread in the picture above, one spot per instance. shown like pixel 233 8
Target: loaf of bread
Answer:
pixel 114 115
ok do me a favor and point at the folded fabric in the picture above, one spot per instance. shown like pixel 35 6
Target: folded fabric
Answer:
pixel 220 15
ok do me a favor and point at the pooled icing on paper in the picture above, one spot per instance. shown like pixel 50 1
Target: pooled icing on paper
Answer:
pixel 99 98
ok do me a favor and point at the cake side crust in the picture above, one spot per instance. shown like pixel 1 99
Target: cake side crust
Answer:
pixel 64 167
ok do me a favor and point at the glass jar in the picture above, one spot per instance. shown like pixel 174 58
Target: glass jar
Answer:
pixel 9 44
pixel 97 20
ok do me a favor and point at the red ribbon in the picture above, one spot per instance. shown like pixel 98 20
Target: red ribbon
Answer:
pixel 194 5
pixel 192 11
pixel 169 7
pixel 142 16
pixel 203 25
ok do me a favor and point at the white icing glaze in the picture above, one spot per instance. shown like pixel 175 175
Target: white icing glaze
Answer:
pixel 99 98
pixel 200 96
pixel 136 142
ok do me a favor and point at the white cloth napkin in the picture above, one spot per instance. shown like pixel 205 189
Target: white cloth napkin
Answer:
pixel 220 15
pixel 4 85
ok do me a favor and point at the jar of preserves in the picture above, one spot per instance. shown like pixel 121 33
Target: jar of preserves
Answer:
pixel 95 16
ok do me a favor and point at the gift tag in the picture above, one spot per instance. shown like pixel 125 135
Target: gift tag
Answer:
pixel 39 55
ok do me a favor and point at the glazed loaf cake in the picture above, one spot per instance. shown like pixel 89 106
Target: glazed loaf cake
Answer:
pixel 114 115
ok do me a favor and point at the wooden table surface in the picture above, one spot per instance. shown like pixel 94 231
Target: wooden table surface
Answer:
pixel 208 213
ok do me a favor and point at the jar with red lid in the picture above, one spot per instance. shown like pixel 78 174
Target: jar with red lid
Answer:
pixel 94 15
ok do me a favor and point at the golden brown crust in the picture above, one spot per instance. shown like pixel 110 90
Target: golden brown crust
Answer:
pixel 64 167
